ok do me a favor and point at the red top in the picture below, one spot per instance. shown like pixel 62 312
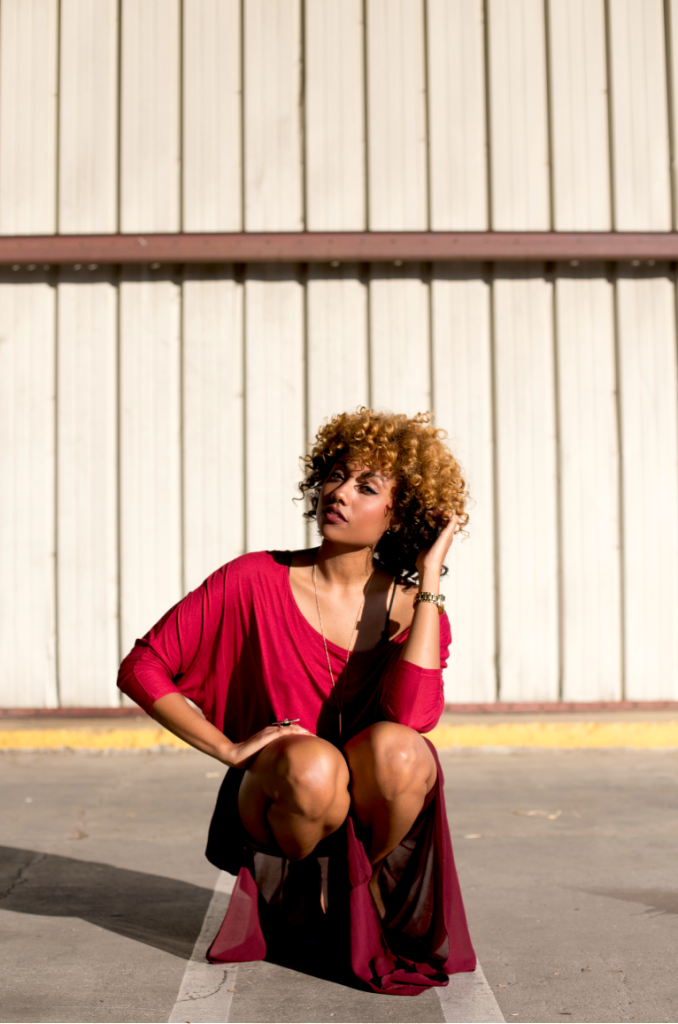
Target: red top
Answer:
pixel 239 647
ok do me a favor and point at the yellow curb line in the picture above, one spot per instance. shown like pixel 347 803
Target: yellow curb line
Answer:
pixel 559 735
pixel 88 739
pixel 548 735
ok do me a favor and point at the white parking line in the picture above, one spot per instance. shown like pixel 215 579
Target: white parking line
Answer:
pixel 468 999
pixel 206 989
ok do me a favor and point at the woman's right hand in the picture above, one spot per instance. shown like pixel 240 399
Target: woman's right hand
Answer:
pixel 240 754
pixel 176 714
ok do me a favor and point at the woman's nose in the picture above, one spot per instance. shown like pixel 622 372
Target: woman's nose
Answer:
pixel 342 491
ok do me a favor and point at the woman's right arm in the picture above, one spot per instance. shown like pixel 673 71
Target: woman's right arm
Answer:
pixel 176 660
pixel 175 713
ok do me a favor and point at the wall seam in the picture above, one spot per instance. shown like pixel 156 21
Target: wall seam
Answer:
pixel 182 436
pixel 242 119
pixel 670 110
pixel 366 126
pixel 57 674
pixel 427 116
pixel 428 278
pixel 366 276
pixel 118 454
pixel 614 280
pixel 302 114
pixel 243 341
pixel 549 112
pixel 491 276
pixel 488 116
pixel 181 89
pixel 560 610
pixel 57 127
pixel 118 183
pixel 307 392
pixel 610 121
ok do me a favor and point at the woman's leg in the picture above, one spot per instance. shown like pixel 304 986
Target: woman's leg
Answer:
pixel 294 794
pixel 392 772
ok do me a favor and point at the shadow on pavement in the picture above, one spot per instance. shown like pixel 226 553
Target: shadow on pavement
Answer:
pixel 656 901
pixel 160 912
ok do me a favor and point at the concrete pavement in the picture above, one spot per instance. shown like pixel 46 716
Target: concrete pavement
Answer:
pixel 566 859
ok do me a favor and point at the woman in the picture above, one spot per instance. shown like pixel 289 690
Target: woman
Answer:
pixel 316 672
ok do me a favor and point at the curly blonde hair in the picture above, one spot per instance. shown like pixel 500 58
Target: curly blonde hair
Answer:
pixel 429 487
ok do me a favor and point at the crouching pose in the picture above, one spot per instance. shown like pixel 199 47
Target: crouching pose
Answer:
pixel 317 672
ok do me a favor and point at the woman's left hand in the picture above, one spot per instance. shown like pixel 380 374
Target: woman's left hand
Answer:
pixel 433 558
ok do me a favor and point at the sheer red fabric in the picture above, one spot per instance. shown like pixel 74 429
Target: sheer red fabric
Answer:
pixel 240 648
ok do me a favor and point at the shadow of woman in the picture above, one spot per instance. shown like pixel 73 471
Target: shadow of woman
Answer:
pixel 160 912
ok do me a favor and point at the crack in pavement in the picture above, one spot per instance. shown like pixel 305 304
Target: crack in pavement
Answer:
pixel 187 997
pixel 23 874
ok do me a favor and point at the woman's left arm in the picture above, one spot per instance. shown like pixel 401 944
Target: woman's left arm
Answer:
pixel 422 647
pixel 412 691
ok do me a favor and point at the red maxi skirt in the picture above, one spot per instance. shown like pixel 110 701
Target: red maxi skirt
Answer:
pixel 275 909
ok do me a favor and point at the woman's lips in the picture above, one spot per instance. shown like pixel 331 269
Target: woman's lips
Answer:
pixel 332 516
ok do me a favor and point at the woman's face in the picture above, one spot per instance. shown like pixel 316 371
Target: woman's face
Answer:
pixel 355 505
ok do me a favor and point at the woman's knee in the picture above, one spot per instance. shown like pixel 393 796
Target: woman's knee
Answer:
pixel 306 775
pixel 391 757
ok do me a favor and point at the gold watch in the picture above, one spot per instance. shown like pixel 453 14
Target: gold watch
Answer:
pixel 437 599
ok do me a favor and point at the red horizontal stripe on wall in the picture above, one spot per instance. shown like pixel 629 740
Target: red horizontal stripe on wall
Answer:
pixel 328 247
pixel 551 707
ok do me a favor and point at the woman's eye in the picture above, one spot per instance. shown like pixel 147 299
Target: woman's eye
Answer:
pixel 369 490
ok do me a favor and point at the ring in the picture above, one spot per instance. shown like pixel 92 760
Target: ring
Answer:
pixel 287 721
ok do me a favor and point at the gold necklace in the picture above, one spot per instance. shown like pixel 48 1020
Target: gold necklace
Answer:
pixel 348 649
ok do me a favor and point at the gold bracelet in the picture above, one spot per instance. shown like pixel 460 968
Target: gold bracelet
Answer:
pixel 437 599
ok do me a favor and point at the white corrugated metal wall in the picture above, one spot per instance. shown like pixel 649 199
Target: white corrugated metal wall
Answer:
pixel 151 419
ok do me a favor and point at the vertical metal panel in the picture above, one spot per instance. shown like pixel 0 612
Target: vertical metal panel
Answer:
pixel 150 452
pixel 27 464
pixel 337 347
pixel 589 490
pixel 462 399
pixel 212 157
pixel 396 117
pixel 640 116
pixel 87 527
pixel 273 134
pixel 649 427
pixel 335 109
pixel 149 116
pixel 671 9
pixel 400 358
pixel 526 487
pixel 579 115
pixel 28 92
pixel 213 442
pixel 88 117
pixel 518 116
pixel 274 402
pixel 456 103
